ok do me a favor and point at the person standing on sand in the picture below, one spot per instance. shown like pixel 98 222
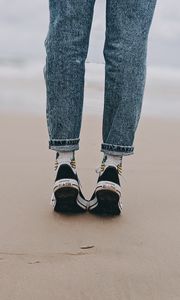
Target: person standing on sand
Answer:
pixel 125 51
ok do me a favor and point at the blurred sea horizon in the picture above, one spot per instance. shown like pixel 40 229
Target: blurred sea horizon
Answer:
pixel 23 29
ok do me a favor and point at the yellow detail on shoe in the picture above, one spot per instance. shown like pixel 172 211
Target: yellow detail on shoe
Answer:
pixel 102 167
pixel 73 163
pixel 55 164
pixel 119 168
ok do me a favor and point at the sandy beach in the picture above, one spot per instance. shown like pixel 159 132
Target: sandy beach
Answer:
pixel 45 255
pixel 135 256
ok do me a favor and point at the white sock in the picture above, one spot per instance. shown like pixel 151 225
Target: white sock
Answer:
pixel 112 159
pixel 65 156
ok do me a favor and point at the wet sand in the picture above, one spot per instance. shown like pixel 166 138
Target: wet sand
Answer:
pixel 135 256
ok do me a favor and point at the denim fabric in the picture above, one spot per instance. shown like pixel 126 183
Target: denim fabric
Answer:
pixel 125 50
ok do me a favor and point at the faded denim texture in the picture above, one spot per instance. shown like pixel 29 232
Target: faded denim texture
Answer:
pixel 125 51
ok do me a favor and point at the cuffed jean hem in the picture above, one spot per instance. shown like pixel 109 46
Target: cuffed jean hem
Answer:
pixel 117 149
pixel 64 145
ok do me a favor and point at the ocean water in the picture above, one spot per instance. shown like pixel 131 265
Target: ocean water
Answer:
pixel 22 89
pixel 23 28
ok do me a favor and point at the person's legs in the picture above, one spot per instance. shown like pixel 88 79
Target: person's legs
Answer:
pixel 125 48
pixel 66 51
pixel 66 48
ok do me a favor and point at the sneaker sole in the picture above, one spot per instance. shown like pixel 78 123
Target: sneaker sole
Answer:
pixel 108 203
pixel 66 200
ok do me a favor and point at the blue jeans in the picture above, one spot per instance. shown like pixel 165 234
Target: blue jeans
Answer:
pixel 125 50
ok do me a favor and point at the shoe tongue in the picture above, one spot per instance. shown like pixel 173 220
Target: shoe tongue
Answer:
pixel 64 162
pixel 110 165
pixel 66 158
pixel 112 160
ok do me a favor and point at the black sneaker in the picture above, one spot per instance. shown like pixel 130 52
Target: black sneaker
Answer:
pixel 67 195
pixel 106 198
